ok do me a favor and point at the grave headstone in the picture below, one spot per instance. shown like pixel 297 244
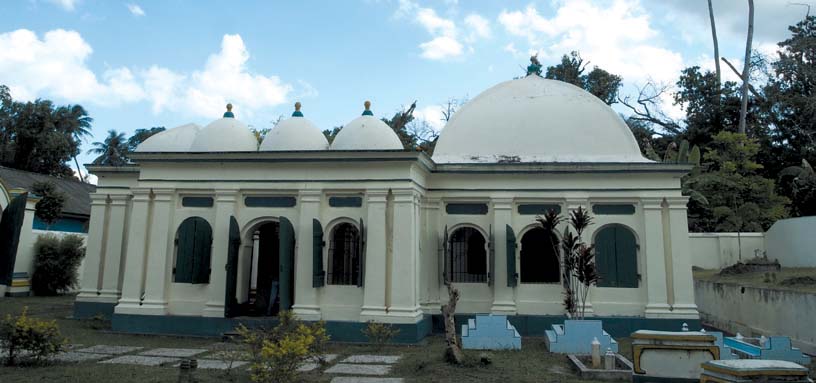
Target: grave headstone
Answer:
pixel 490 332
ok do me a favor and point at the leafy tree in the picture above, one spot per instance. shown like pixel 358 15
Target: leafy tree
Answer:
pixel 801 181
pixel 140 135
pixel 39 137
pixel 599 82
pixel 331 133
pixel 49 208
pixel 113 151
pixel 738 198
pixel 55 263
pixel 791 94
pixel 399 123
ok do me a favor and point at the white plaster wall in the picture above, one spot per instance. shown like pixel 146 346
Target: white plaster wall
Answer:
pixel 718 250
pixel 759 311
pixel 792 242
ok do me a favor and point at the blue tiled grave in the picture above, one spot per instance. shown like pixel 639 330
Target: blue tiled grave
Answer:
pixel 725 351
pixel 575 337
pixel 775 348
pixel 490 332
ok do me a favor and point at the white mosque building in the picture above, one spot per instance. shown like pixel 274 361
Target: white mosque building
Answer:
pixel 208 228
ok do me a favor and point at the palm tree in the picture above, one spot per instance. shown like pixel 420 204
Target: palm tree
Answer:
pixel 74 120
pixel 113 151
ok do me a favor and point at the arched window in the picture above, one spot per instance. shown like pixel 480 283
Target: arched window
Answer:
pixel 616 256
pixel 344 256
pixel 539 260
pixel 193 248
pixel 467 256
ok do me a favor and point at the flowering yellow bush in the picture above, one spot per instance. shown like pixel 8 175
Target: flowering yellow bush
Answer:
pixel 277 354
pixel 38 338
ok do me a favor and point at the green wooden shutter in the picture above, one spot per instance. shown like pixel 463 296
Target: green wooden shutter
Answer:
pixel 11 224
pixel 287 262
pixel 626 251
pixel 605 257
pixel 230 301
pixel 445 258
pixel 491 263
pixel 361 248
pixel 202 249
pixel 185 251
pixel 512 275
pixel 318 274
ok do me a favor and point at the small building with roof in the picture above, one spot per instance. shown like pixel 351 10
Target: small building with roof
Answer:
pixel 208 228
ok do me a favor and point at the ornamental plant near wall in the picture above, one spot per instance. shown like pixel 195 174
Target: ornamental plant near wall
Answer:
pixel 577 258
pixel 56 261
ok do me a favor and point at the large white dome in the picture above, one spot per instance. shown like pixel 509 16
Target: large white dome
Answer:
pixel 225 135
pixel 178 139
pixel 295 133
pixel 366 133
pixel 533 119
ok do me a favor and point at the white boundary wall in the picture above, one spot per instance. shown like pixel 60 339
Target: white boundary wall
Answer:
pixel 793 242
pixel 718 250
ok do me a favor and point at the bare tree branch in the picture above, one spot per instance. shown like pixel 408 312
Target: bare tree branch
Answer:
pixel 750 87
pixel 646 107
pixel 746 67
pixel 716 44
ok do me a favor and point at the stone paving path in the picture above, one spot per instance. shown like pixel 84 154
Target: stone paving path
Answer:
pixel 360 368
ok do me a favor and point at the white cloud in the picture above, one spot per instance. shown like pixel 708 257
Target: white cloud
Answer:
pixel 135 10
pixel 431 114
pixel 478 25
pixel 435 24
pixel 68 5
pixel 615 36
pixel 56 66
pixel 440 48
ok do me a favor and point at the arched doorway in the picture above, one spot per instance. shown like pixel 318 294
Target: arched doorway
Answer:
pixel 467 256
pixel 539 260
pixel 270 284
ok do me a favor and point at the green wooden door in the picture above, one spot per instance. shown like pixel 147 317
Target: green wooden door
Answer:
pixel 318 273
pixel 287 261
pixel 231 307
pixel 512 275
pixel 193 249
pixel 616 257
pixel 361 248
pixel 11 223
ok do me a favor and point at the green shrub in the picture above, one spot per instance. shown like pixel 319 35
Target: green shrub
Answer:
pixel 379 333
pixel 277 353
pixel 55 263
pixel 23 335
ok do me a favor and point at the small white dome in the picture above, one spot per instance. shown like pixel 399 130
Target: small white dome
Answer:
pixel 295 133
pixel 366 133
pixel 533 119
pixel 225 135
pixel 178 139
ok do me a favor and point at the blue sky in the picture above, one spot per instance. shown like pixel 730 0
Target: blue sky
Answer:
pixel 137 64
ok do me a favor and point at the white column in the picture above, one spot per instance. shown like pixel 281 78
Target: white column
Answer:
pixel 91 282
pixel 132 283
pixel 160 254
pixel 374 287
pixel 114 241
pixel 216 291
pixel 684 305
pixel 430 255
pixel 403 279
pixel 654 255
pixel 24 262
pixel 503 300
pixel 306 304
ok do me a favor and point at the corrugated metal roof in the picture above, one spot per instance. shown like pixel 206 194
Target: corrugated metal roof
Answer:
pixel 77 198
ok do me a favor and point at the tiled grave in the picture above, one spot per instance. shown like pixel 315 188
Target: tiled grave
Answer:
pixel 236 355
pixel 211 364
pixel 141 360
pixel 76 357
pixel 114 350
pixel 355 379
pixel 328 358
pixel 359 369
pixel 387 359
pixel 306 367
pixel 490 332
pixel 174 352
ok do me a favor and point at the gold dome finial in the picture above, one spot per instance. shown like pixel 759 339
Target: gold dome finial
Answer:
pixel 297 106
pixel 229 107
pixel 367 105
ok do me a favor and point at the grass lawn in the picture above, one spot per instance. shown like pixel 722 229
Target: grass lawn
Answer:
pixel 420 363
pixel 773 280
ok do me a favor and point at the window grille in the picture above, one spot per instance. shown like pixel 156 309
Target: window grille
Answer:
pixel 467 256
pixel 344 255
